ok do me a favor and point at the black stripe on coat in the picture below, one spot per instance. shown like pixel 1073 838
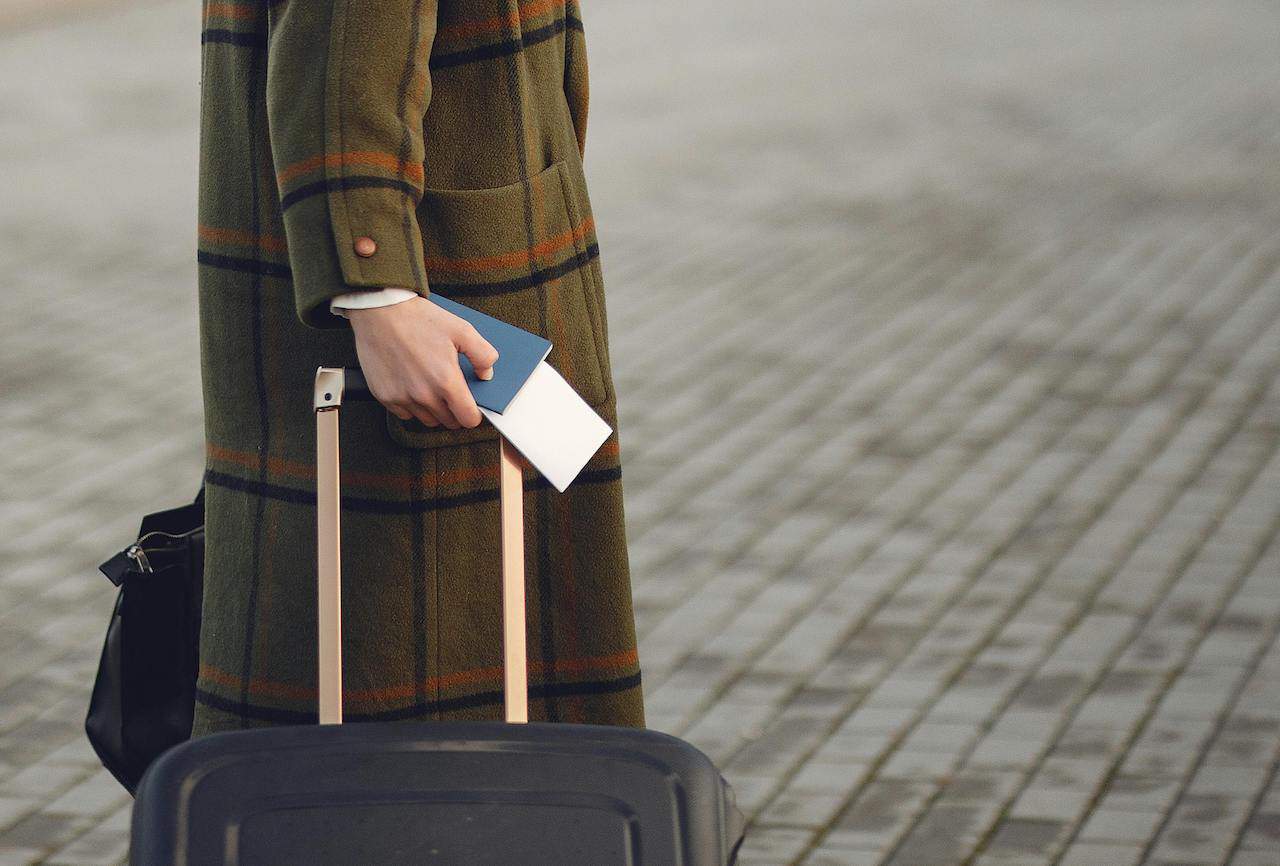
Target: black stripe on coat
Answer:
pixel 479 699
pixel 454 58
pixel 449 290
pixel 354 181
pixel 233 37
pixel 382 506
pixel 247 266
pixel 507 46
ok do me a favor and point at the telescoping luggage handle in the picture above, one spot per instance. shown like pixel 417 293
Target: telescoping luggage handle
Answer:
pixel 332 383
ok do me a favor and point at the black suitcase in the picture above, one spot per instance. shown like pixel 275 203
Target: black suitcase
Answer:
pixel 515 793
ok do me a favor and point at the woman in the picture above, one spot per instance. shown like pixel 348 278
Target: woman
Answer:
pixel 354 158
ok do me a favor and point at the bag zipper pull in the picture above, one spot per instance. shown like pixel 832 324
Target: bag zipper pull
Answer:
pixel 139 556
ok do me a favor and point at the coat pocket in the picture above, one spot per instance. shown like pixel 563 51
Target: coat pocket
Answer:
pixel 521 253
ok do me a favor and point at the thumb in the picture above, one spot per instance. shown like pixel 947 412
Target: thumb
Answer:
pixel 479 351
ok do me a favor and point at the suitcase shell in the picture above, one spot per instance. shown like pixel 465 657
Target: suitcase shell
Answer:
pixel 483 793
pixel 512 792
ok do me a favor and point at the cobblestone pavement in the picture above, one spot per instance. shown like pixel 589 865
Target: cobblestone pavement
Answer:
pixel 946 337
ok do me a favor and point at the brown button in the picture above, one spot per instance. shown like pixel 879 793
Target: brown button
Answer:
pixel 365 246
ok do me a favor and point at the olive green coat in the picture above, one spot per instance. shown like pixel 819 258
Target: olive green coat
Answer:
pixel 450 132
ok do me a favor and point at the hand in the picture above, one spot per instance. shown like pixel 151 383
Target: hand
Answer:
pixel 409 354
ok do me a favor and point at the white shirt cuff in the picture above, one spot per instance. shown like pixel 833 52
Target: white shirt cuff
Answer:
pixel 373 298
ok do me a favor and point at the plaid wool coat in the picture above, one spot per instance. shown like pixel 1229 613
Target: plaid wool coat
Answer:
pixel 451 132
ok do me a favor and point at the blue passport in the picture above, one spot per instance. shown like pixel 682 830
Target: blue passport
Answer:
pixel 519 352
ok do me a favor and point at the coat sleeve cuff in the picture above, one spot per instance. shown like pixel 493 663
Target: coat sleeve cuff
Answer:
pixel 322 253
pixel 385 216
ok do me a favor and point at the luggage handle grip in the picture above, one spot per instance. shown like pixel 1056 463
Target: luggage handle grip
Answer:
pixel 332 385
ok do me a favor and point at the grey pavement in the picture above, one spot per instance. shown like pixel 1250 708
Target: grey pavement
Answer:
pixel 946 337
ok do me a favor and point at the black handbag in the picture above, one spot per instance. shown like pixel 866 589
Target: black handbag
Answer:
pixel 143 697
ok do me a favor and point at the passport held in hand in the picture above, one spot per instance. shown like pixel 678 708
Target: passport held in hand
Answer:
pixel 519 352
pixel 550 424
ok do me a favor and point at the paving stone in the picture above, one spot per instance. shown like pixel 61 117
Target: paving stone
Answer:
pixel 1066 805
pixel 1121 713
pixel 1253 858
pixel 77 751
pixel 1094 854
pixel 752 792
pixel 825 855
pixel 947 833
pixel 881 815
pixel 1159 761
pixel 1240 751
pixel 44 779
pixel 907 764
pixel 933 849
pixel 1262 832
pixel 1230 781
pixel 798 806
pixel 94 796
pixel 1202 828
pixel 879 720
pixel 1089 743
pixel 821 773
pixel 780 747
pixel 773 845
pixel 854 746
pixel 1128 827
pixel 1003 859
pixel 1076 774
pixel 1140 794
pixel 997 752
pixel 43 831
pixel 980 786
pixel 940 737
pixel 1025 838
pixel 13 808
pixel 107 844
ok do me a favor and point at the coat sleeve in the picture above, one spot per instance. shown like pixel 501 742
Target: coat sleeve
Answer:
pixel 346 90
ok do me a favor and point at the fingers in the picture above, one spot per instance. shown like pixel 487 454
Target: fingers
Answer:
pixel 423 379
pixel 426 416
pixel 429 408
pixel 407 409
pixel 479 351
pixel 461 405
pixel 447 404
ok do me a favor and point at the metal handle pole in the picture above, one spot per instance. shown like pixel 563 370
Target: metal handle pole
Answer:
pixel 514 661
pixel 328 397
pixel 331 382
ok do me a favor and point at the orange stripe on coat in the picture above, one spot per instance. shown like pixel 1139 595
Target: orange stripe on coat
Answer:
pixel 512 259
pixel 270 243
pixel 235 11
pixel 498 23
pixel 411 170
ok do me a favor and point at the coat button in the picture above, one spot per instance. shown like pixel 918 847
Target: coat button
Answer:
pixel 365 246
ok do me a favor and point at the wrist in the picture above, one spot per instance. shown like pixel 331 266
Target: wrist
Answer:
pixel 340 305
